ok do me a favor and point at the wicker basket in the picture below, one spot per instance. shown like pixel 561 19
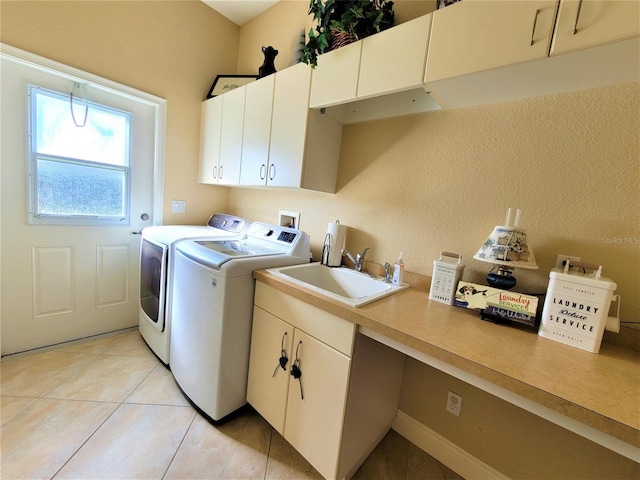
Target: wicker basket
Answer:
pixel 340 38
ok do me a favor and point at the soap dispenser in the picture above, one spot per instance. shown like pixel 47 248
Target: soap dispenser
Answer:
pixel 398 271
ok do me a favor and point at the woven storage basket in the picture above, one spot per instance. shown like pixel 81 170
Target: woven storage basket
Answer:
pixel 340 39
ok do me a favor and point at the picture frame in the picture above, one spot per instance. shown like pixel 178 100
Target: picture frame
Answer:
pixel 226 83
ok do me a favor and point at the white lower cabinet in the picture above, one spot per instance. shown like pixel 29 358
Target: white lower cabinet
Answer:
pixel 345 398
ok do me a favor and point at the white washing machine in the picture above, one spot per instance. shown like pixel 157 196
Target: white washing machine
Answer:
pixel 156 267
pixel 212 311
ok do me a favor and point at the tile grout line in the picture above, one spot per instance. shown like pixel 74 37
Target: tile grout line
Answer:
pixel 195 415
pixel 266 465
pixel 119 404
pixel 87 439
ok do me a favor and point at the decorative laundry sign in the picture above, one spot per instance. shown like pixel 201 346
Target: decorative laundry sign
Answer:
pixel 497 304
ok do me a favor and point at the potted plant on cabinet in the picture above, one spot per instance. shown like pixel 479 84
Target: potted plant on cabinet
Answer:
pixel 341 22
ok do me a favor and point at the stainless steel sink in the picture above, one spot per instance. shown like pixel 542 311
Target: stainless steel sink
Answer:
pixel 347 286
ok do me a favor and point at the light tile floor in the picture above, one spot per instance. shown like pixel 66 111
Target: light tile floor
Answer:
pixel 108 409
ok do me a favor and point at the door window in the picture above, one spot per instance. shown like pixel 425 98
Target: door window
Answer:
pixel 79 160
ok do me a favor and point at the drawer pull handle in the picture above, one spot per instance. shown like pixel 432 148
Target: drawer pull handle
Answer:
pixel 535 22
pixel 295 370
pixel 282 361
pixel 575 25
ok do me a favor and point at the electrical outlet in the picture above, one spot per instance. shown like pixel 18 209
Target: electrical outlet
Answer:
pixel 454 403
pixel 562 259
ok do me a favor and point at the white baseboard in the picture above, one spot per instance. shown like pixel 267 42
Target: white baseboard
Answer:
pixel 446 452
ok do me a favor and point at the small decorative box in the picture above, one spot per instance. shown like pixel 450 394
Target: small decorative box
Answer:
pixel 577 306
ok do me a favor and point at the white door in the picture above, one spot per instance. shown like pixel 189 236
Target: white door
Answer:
pixel 65 282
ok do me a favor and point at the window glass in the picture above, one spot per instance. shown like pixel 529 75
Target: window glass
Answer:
pixel 79 169
pixel 77 189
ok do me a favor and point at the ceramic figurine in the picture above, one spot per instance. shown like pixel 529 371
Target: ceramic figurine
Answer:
pixel 268 67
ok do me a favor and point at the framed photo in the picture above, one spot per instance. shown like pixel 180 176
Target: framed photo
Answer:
pixel 226 83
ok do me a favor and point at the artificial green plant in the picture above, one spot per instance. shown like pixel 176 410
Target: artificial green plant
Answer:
pixel 351 19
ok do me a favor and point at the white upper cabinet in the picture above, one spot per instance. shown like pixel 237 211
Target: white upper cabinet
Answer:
pixel 210 126
pixel 483 52
pixel 231 137
pixel 257 131
pixel 394 60
pixel 305 144
pixel 590 23
pixel 476 35
pixel 289 126
pixel 335 78
pixel 387 62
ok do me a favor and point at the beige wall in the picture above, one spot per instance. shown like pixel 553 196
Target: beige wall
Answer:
pixel 517 443
pixel 441 180
pixel 172 49
pixel 438 181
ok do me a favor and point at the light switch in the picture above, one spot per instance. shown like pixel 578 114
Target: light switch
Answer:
pixel 178 206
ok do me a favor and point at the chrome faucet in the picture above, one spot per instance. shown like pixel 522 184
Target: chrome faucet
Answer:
pixel 357 262
pixel 387 272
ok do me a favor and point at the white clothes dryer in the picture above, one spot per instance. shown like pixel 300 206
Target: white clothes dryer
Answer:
pixel 212 311
pixel 156 273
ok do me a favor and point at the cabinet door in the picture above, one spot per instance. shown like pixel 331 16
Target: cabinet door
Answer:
pixel 335 78
pixel 210 122
pixel 315 414
pixel 590 23
pixel 231 132
pixel 394 60
pixel 476 35
pixel 266 390
pixel 257 131
pixel 289 126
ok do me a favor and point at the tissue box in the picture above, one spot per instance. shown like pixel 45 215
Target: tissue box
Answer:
pixel 503 305
pixel 576 308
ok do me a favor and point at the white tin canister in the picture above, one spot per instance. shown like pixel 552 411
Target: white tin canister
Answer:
pixel 576 307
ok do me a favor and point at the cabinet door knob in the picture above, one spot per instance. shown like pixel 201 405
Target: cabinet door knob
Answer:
pixel 272 171
pixel 263 171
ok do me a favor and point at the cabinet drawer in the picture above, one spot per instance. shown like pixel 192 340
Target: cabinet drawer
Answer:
pixel 334 331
